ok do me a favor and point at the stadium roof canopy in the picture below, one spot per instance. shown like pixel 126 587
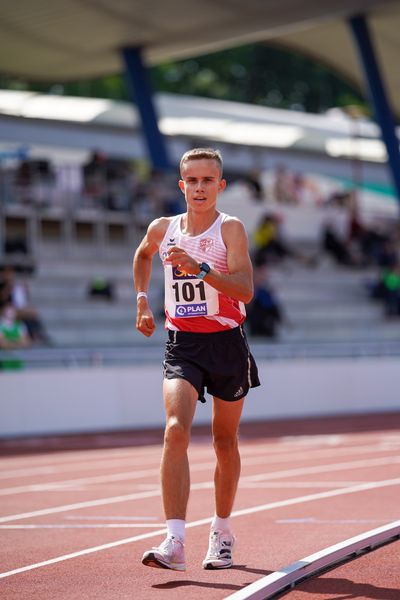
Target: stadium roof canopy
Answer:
pixel 65 40
pixel 72 39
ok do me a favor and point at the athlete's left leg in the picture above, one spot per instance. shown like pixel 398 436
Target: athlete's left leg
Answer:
pixel 225 426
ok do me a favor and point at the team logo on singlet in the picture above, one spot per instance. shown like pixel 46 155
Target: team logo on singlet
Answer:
pixel 206 244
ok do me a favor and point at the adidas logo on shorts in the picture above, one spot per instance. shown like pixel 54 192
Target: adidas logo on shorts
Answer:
pixel 238 393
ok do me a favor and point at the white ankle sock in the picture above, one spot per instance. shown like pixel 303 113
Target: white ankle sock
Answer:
pixel 176 528
pixel 220 523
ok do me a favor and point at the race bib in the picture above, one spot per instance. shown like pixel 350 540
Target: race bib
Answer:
pixel 188 296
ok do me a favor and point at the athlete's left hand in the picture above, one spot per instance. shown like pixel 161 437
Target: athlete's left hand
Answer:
pixel 183 261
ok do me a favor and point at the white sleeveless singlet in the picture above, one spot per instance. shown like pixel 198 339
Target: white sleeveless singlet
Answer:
pixel 190 303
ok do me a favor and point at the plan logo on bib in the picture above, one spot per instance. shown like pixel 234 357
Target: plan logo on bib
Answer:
pixel 191 310
pixel 206 244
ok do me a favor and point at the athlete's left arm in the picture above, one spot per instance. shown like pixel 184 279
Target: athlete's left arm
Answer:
pixel 238 283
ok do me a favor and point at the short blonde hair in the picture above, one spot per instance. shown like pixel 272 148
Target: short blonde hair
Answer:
pixel 201 154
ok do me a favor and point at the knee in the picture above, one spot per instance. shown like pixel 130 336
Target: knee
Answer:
pixel 225 446
pixel 176 435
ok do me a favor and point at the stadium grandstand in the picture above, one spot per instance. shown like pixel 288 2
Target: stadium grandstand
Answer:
pixel 64 216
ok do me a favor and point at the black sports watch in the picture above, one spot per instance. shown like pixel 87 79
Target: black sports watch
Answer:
pixel 204 270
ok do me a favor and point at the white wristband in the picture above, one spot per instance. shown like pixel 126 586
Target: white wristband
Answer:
pixel 141 295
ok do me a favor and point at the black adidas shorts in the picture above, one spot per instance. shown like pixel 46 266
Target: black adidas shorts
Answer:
pixel 220 362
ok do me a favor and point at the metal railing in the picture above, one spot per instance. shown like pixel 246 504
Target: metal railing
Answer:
pixel 153 352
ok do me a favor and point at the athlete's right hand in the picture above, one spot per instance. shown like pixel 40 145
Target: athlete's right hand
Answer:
pixel 145 320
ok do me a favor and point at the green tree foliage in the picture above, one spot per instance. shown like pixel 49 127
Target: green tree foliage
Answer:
pixel 255 73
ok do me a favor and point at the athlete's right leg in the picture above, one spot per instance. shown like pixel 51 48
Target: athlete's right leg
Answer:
pixel 180 399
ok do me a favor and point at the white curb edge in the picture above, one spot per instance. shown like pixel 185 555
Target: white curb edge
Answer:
pixel 287 577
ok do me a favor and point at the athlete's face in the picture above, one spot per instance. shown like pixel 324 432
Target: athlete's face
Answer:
pixel 201 183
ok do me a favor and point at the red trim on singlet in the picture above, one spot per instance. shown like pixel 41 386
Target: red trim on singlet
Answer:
pixel 229 309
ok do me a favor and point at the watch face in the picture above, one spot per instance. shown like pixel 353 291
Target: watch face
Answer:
pixel 205 267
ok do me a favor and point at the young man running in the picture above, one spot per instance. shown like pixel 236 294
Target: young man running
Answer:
pixel 208 278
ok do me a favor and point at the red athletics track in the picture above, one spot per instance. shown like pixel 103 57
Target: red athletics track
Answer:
pixel 78 512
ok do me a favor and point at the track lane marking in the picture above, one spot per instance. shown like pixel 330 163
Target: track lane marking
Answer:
pixel 85 526
pixel 204 485
pixel 134 455
pixel 127 475
pixel 237 513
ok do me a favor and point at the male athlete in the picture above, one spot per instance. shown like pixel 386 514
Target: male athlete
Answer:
pixel 208 278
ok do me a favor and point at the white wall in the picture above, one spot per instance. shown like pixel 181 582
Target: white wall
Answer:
pixel 92 399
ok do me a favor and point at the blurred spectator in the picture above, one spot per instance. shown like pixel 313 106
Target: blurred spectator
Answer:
pixel 270 245
pixel 375 243
pixel 16 294
pixel 121 185
pixel 336 231
pixel 296 189
pixel 108 182
pixel 355 226
pixel 391 291
pixel 304 191
pixel 102 289
pixel 143 209
pixel 282 185
pixel 253 182
pixel 264 313
pixel 388 253
pixel 94 179
pixel 35 182
pixel 157 195
pixel 13 336
pixel 268 242
pixel 13 333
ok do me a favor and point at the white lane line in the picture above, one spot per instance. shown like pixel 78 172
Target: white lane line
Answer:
pixel 151 493
pixel 64 485
pixel 82 466
pixel 68 483
pixel 296 484
pixel 287 577
pixel 237 513
pixel 91 503
pixel 139 455
pixel 312 520
pixel 132 459
pixel 313 440
pixel 92 463
pixel 86 526
pixel 74 456
pixel 69 456
pixel 108 518
pixel 131 474
pixel 356 464
pixel 279 444
pixel 283 454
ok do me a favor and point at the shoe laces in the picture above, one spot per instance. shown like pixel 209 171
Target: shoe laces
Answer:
pixel 169 544
pixel 217 542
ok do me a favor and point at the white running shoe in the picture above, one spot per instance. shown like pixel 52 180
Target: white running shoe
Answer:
pixel 168 555
pixel 219 555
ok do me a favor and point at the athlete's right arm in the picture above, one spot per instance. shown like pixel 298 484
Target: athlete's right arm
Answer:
pixel 142 263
